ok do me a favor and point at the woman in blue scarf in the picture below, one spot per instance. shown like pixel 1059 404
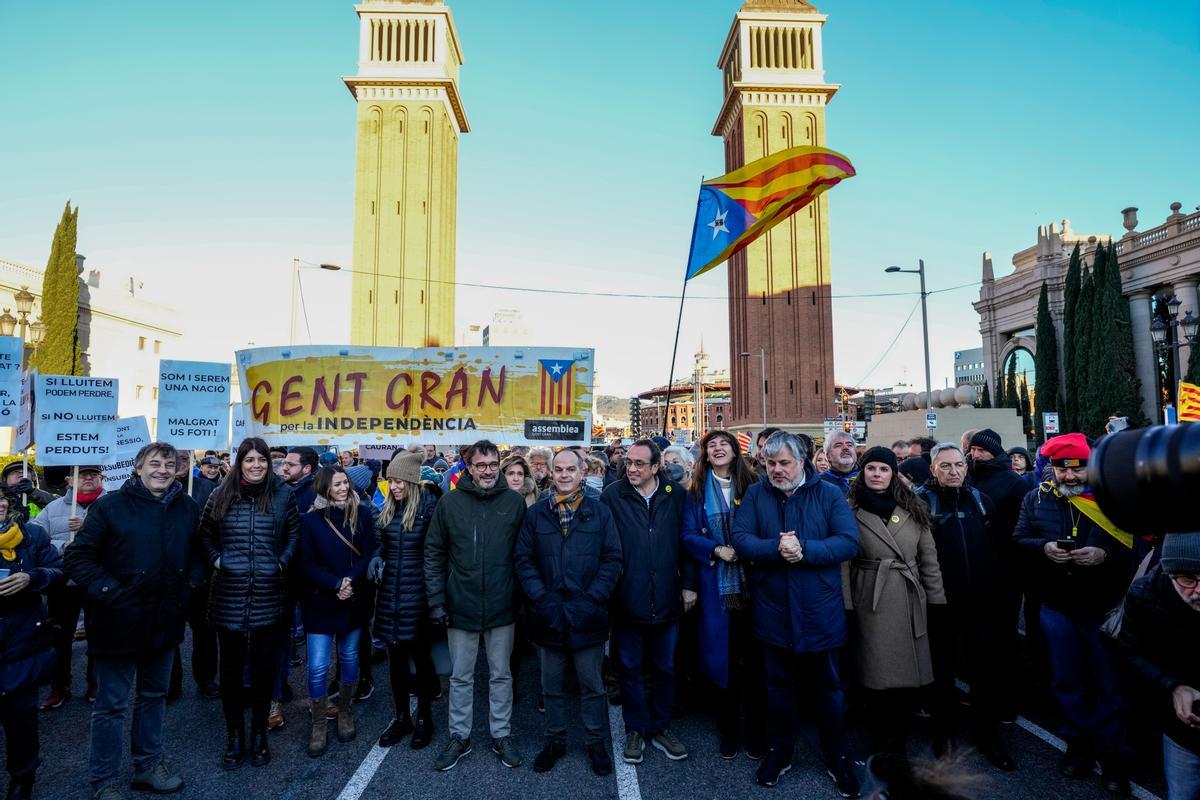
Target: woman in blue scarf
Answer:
pixel 729 656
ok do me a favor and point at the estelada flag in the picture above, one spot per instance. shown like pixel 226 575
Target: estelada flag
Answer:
pixel 735 209
pixel 557 377
pixel 743 439
pixel 1189 402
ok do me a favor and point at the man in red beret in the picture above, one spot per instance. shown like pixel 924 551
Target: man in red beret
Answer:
pixel 1081 568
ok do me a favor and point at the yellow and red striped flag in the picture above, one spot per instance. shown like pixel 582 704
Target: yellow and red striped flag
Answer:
pixel 1189 402
pixel 744 441
pixel 737 208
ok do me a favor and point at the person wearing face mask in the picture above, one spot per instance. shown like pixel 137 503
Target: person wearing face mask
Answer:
pixel 970 548
pixel 249 531
pixel 728 655
pixel 597 470
pixel 1160 639
pixel 894 581
pixel 136 557
pixel 1082 565
pixel 518 478
pixel 29 565
pixel 336 546
pixel 472 591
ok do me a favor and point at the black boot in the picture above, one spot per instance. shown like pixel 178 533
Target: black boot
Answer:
pixel 423 730
pixel 400 726
pixel 260 754
pixel 21 788
pixel 235 745
pixel 1078 761
pixel 1114 774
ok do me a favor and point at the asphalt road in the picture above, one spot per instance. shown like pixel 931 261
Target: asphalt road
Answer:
pixel 195 741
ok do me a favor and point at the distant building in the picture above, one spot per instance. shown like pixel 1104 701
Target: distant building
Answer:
pixel 507 329
pixel 122 333
pixel 969 368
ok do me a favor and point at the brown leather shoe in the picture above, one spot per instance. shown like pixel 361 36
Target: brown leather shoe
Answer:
pixel 275 718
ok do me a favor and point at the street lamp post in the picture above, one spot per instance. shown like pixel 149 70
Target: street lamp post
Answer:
pixel 762 366
pixel 296 262
pixel 32 332
pixel 920 270
pixel 1158 332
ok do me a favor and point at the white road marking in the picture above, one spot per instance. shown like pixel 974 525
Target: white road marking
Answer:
pixel 627 780
pixel 366 770
pixel 1058 744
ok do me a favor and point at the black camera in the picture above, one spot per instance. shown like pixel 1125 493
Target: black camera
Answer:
pixel 1147 480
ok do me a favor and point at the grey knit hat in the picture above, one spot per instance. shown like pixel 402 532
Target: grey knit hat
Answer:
pixel 1181 553
pixel 406 466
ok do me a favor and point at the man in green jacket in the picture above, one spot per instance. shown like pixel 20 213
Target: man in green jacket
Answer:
pixel 472 589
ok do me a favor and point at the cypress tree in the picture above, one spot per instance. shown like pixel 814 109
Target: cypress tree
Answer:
pixel 1011 398
pixel 1192 375
pixel 1084 320
pixel 1026 411
pixel 1001 401
pixel 1098 358
pixel 985 400
pixel 1070 407
pixel 1045 364
pixel 58 353
pixel 1122 387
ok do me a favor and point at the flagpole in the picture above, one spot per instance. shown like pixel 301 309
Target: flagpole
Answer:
pixel 679 321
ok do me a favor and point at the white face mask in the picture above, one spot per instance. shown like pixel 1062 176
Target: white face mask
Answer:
pixel 594 481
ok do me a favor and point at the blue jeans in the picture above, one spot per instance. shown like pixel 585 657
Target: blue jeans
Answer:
pixel 114 679
pixel 1084 680
pixel 655 643
pixel 320 648
pixel 816 675
pixel 1182 768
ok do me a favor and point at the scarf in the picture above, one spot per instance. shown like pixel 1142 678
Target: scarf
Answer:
pixel 567 505
pixel 84 499
pixel 252 491
pixel 1086 504
pixel 9 541
pixel 731 578
pixel 881 505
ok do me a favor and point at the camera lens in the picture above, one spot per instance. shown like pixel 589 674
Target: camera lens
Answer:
pixel 1142 477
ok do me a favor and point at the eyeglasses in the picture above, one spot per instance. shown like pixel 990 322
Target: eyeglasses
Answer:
pixel 487 466
pixel 1187 582
pixel 636 464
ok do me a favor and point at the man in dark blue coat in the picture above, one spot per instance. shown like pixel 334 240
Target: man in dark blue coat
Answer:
pixel 568 560
pixel 795 530
pixel 658 584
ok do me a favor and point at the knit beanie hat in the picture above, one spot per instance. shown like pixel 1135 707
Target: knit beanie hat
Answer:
pixel 884 455
pixel 328 459
pixel 430 475
pixel 989 440
pixel 441 464
pixel 405 467
pixel 360 476
pixel 1181 553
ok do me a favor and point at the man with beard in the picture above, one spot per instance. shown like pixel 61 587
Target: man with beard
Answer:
pixel 1082 565
pixel 843 460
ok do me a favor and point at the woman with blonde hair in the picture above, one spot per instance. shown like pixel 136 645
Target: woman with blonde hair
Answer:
pixel 401 607
pixel 517 475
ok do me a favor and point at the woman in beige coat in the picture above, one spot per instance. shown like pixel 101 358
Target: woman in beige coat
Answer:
pixel 893 580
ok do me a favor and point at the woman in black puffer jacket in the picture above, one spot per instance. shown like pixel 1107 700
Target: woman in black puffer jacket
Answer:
pixel 249 530
pixel 401 610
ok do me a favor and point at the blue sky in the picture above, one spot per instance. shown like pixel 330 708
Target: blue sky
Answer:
pixel 210 142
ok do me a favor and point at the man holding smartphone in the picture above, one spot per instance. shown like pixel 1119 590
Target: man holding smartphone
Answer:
pixel 1082 569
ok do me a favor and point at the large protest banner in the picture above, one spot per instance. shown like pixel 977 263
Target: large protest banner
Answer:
pixel 23 435
pixel 351 396
pixel 193 404
pixel 11 350
pixel 128 436
pixel 71 414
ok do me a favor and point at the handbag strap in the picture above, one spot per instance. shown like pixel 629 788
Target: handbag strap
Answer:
pixel 345 541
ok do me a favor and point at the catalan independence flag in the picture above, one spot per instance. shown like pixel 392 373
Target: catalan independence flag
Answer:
pixel 1189 402
pixel 557 377
pixel 737 208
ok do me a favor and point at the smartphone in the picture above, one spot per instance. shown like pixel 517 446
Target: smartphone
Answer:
pixel 1067 544
pixel 1117 424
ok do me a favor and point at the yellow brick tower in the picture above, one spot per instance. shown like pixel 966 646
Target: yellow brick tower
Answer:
pixel 410 115
pixel 780 310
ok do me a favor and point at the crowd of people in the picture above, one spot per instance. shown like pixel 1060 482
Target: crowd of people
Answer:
pixel 864 581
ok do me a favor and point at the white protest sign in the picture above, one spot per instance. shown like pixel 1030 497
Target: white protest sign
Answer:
pixel 378 452
pixel 193 404
pixel 71 419
pixel 237 431
pixel 10 380
pixel 23 435
pixel 128 435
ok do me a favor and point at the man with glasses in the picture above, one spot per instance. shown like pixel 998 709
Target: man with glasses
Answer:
pixel 658 584
pixel 299 466
pixel 1160 636
pixel 1081 567
pixel 471 590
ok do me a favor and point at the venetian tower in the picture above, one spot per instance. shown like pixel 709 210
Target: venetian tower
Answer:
pixel 775 96
pixel 410 115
